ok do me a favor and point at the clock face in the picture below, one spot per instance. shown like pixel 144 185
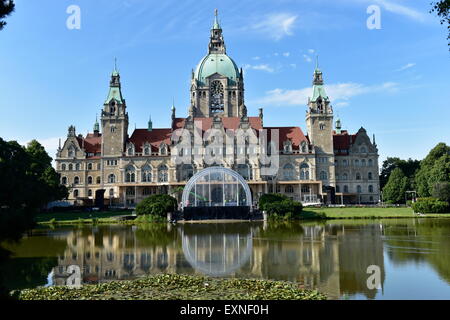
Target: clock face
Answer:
pixel 216 91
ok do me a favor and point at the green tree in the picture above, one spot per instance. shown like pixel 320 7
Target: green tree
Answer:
pixel 442 8
pixel 394 190
pixel 6 8
pixel 441 191
pixel 409 168
pixel 435 168
pixel 157 204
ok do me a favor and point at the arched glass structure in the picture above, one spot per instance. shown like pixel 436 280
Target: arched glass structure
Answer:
pixel 216 187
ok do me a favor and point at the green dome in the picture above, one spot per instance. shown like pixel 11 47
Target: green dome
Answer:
pixel 216 63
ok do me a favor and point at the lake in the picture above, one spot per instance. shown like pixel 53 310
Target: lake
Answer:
pixel 346 259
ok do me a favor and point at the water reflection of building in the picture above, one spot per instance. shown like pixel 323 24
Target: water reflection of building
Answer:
pixel 332 258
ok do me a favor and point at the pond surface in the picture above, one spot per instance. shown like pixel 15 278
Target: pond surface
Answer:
pixel 410 258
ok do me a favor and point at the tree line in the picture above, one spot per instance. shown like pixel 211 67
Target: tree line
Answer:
pixel 429 177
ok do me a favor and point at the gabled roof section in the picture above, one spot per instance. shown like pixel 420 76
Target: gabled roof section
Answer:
pixel 154 138
pixel 294 134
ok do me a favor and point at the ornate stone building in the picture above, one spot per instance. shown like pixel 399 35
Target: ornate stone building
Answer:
pixel 327 164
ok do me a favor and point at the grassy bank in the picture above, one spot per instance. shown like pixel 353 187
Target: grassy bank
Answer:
pixel 79 217
pixel 175 287
pixel 367 213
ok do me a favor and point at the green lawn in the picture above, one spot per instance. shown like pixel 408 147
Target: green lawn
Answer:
pixel 67 217
pixel 355 213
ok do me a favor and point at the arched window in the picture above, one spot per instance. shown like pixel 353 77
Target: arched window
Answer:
pixel 63 167
pixel 346 189
pixel 358 176
pixel 369 176
pixel 358 189
pixel 370 188
pixel 363 162
pixel 130 150
pixel 163 173
pixel 111 178
pixel 90 180
pixel 304 171
pixel 288 172
pixel 370 162
pixel 77 167
pixel 99 166
pixel 98 180
pixel 363 150
pixel 89 166
pixel 76 180
pixel 163 149
pixel 344 176
pixel 64 180
pixel 323 175
pixel 89 193
pixel 338 189
pixel 345 162
pixel 146 174
pixel 356 163
pixel 147 150
pixel 244 171
pixel 70 167
pixel 130 175
pixel 75 193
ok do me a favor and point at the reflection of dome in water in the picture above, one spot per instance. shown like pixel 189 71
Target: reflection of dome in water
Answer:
pixel 217 254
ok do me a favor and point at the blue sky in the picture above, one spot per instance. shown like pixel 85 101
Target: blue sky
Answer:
pixel 393 81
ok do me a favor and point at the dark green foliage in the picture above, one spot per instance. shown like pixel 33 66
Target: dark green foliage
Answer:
pixel 408 167
pixel 435 168
pixel 157 204
pixel 6 8
pixel 280 206
pixel 442 9
pixel 430 205
pixel 394 190
pixel 441 191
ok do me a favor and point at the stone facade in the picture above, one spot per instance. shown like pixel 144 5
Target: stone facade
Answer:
pixel 326 165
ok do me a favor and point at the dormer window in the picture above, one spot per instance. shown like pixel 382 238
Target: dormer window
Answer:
pixel 147 150
pixel 287 146
pixel 130 150
pixel 71 152
pixel 163 149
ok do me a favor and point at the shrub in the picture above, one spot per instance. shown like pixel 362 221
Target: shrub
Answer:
pixel 269 198
pixel 278 205
pixel 157 204
pixel 430 205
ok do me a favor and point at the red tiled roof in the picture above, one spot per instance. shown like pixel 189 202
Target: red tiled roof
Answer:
pixel 91 144
pixel 154 138
pixel 228 123
pixel 295 134
pixel 342 142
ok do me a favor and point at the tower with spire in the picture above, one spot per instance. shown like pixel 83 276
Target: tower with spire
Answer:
pixel 319 123
pixel 217 85
pixel 114 117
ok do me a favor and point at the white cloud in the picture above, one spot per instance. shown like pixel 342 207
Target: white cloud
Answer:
pixel 400 9
pixel 276 25
pixel 307 58
pixel 406 66
pixel 262 67
pixel 256 58
pixel 339 93
pixel 286 54
pixel 293 65
pixel 311 51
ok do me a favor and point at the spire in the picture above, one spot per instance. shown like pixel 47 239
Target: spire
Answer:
pixel 216 43
pixel 96 126
pixel 216 20
pixel 115 71
pixel 173 109
pixel 150 124
pixel 374 142
pixel 338 126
